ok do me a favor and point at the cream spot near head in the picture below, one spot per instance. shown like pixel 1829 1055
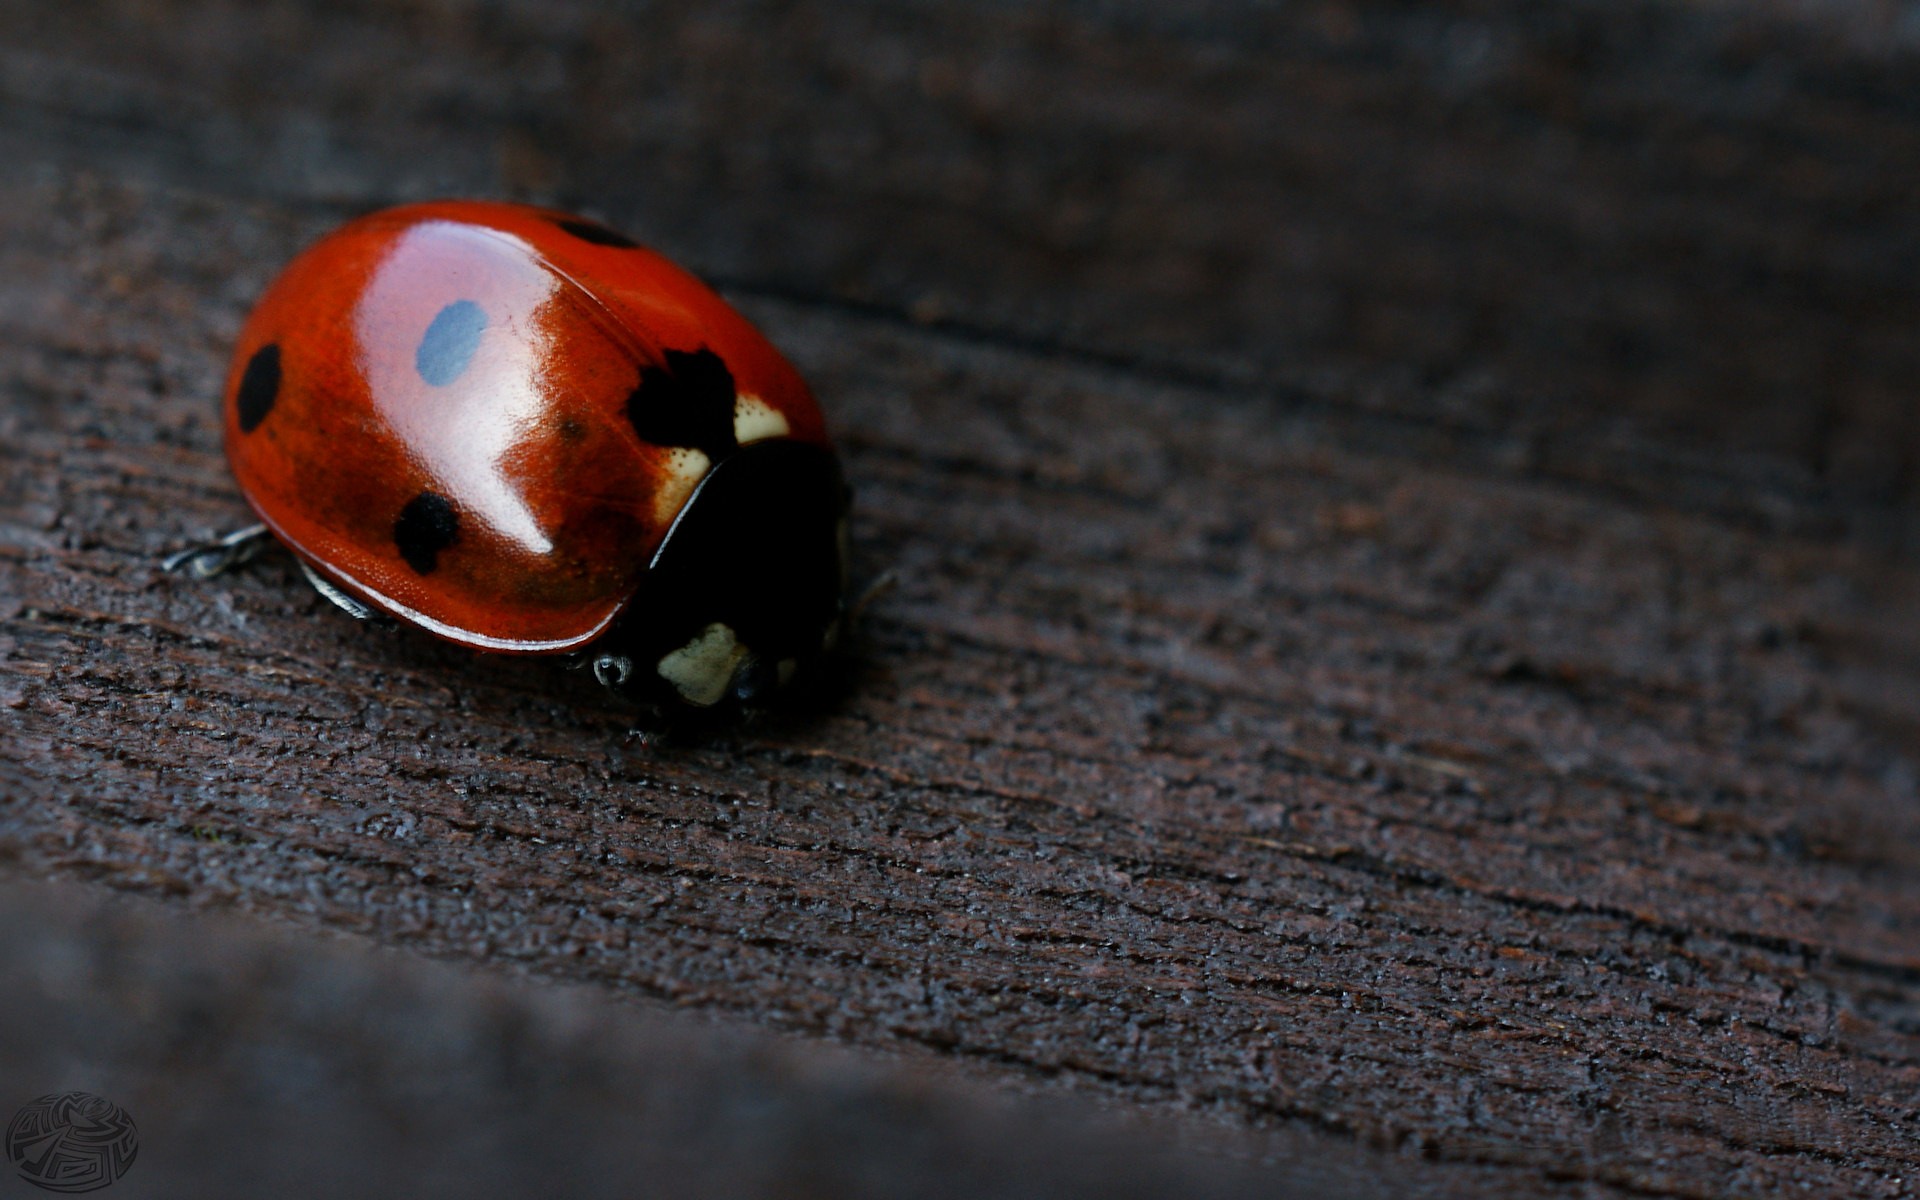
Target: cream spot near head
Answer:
pixel 684 468
pixel 701 670
pixel 754 420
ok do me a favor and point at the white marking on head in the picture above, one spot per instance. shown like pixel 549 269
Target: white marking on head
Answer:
pixel 701 670
pixel 754 420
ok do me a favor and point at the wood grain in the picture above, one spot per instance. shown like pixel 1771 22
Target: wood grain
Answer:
pixel 1407 620
pixel 268 1061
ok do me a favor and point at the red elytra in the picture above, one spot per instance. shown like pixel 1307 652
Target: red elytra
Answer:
pixel 484 419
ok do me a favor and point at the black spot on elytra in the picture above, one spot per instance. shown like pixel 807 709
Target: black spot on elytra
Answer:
pixel 599 235
pixel 427 525
pixel 686 401
pixel 259 387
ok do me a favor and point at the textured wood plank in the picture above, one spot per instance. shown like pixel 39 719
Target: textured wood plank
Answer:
pixel 1611 239
pixel 256 1063
pixel 1503 777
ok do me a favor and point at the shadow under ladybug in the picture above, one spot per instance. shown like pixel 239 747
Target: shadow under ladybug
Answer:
pixel 747 592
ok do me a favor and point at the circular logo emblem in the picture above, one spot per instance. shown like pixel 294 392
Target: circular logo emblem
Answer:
pixel 73 1142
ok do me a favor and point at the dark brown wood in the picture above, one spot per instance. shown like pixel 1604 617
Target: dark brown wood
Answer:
pixel 258 1062
pixel 1408 628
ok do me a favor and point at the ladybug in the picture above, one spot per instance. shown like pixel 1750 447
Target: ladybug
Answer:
pixel 526 433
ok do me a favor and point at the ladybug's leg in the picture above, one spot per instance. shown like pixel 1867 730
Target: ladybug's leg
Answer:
pixel 348 604
pixel 612 670
pixel 210 558
pixel 878 588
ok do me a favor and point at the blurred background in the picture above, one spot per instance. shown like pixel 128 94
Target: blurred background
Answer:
pixel 1587 235
pixel 1404 680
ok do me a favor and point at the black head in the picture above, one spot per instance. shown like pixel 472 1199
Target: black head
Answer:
pixel 747 591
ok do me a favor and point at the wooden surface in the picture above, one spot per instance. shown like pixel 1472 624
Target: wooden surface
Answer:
pixel 262 1063
pixel 1408 629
